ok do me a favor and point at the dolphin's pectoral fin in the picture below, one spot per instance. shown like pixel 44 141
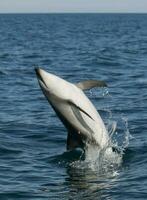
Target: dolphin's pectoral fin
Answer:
pixel 74 140
pixel 86 85
pixel 78 108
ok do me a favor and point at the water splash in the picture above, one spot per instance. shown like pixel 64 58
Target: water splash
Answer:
pixel 107 161
pixel 104 163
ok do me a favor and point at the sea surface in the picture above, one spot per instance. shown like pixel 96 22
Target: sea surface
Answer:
pixel 34 163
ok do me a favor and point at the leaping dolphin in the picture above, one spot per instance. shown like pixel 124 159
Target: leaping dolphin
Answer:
pixel 75 110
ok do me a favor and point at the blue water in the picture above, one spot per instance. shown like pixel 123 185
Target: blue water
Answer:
pixel 34 163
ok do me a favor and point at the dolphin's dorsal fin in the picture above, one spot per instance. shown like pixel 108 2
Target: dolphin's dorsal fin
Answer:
pixel 86 85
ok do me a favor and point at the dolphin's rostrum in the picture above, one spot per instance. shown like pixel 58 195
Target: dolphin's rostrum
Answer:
pixel 74 109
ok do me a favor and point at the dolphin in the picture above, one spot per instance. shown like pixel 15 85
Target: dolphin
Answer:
pixel 75 110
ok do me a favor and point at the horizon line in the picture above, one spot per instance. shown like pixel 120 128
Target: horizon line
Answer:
pixel 70 12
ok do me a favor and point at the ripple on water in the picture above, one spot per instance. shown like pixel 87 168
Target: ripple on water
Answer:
pixel 34 163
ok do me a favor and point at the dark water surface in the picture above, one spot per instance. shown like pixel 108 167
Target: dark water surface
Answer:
pixel 34 163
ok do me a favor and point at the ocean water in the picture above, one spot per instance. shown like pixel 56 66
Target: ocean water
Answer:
pixel 34 163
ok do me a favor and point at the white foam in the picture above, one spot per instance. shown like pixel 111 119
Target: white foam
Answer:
pixel 107 161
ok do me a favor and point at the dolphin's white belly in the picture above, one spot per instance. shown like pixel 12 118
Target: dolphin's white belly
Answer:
pixel 93 127
pixel 100 134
